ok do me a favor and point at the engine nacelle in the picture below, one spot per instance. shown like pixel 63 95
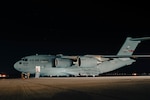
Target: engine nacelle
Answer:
pixel 63 62
pixel 87 62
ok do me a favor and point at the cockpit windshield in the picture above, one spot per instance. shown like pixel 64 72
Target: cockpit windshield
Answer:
pixel 24 59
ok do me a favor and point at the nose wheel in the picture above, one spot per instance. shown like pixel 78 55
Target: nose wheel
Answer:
pixel 25 75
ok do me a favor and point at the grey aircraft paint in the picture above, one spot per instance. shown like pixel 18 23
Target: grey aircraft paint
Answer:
pixel 63 65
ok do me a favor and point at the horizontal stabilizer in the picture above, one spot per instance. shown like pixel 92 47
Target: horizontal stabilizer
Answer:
pixel 125 56
pixel 140 39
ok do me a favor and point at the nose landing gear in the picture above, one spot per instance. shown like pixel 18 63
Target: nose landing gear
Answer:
pixel 25 75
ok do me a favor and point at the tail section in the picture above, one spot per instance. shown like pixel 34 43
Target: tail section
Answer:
pixel 130 45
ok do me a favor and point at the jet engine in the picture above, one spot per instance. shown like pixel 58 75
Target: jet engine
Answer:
pixel 63 62
pixel 88 62
pixel 79 61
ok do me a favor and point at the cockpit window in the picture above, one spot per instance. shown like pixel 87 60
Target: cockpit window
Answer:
pixel 24 59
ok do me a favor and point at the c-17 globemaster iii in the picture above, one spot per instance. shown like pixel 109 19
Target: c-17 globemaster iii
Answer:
pixel 80 65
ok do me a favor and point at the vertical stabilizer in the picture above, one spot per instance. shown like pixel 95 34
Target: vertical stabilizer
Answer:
pixel 130 45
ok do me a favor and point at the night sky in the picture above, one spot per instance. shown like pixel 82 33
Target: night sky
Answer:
pixel 72 28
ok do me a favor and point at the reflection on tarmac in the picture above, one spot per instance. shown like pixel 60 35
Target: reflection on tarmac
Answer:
pixel 87 88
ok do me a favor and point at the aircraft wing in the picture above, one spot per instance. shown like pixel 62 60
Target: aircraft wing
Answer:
pixel 106 57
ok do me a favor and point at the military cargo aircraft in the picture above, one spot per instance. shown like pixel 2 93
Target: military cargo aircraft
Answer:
pixel 79 65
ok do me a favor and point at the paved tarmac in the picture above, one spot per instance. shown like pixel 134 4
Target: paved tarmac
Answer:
pixel 76 88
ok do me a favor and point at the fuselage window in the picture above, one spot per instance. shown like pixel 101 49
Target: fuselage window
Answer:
pixel 36 59
pixel 31 59
pixel 44 59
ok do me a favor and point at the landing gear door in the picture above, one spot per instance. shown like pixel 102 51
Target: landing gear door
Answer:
pixel 37 71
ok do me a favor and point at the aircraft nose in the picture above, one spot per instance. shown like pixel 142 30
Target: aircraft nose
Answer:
pixel 16 66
